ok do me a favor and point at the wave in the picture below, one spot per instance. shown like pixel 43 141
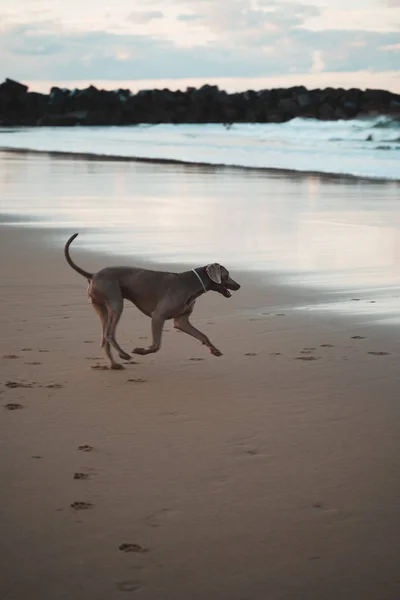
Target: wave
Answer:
pixel 387 123
pixel 307 145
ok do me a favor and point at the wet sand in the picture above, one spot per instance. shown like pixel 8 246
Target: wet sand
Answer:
pixel 271 472
pixel 326 232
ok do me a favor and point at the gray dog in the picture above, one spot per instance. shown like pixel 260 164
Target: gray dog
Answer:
pixel 159 295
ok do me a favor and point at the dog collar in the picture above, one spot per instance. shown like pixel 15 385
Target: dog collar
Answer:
pixel 200 279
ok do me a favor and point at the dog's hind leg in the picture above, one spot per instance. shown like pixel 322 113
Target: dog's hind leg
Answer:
pixel 115 305
pixel 107 294
pixel 105 344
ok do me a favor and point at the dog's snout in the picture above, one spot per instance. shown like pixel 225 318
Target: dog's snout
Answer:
pixel 233 285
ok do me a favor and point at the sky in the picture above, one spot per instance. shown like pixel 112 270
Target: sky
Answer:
pixel 234 43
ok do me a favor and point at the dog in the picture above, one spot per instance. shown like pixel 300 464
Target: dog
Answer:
pixel 159 295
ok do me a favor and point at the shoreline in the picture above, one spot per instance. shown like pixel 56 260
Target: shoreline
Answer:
pixel 322 303
pixel 196 165
pixel 92 258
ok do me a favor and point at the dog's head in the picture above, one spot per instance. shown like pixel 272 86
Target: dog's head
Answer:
pixel 220 280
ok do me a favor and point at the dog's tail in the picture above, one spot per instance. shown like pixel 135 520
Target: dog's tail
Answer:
pixel 70 261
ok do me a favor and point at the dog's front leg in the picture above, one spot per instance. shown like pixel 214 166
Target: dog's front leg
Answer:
pixel 183 324
pixel 157 324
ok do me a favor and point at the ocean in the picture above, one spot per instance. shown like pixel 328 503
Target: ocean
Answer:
pixel 361 147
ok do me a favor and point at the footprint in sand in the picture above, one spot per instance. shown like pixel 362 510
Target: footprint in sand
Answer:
pixel 169 413
pixel 88 342
pixel 379 353
pixel 81 476
pixel 326 346
pixel 275 353
pixel 196 359
pixel 139 380
pixel 26 350
pixel 131 362
pixel 128 586
pixel 280 314
pixel 85 448
pixel 132 548
pixel 155 518
pixel 306 358
pixel 43 350
pixel 81 505
pixel 252 452
pixel 355 299
pixel 10 356
pixel 52 385
pixel 19 384
pixel 35 362
pixel 13 406
pixel 99 367
pixel 307 350
pixel 251 354
pixel 357 337
pixel 324 508
pixel 143 337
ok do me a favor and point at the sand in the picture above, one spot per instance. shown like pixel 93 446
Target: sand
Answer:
pixel 271 472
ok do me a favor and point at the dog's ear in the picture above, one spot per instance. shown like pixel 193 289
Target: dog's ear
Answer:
pixel 214 272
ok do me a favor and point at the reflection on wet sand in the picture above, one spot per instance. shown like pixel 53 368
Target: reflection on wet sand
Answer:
pixel 313 230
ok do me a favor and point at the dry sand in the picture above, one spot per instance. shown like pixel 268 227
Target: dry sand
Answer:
pixel 269 473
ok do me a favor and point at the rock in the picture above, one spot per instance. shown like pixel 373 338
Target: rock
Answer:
pixel 207 104
pixel 350 109
pixel 277 117
pixel 304 100
pixel 339 113
pixel 288 105
pixel 35 105
pixel 13 88
pixel 12 103
pixel 326 112
pixel 395 106
pixel 59 120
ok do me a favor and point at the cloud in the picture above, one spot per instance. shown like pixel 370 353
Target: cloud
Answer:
pixel 318 64
pixel 143 17
pixel 239 20
pixel 203 38
pixel 32 40
pixel 391 47
pixel 189 17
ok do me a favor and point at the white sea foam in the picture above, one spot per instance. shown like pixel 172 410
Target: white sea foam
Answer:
pixel 361 147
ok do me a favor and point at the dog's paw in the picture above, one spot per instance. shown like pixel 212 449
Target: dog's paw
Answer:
pixel 117 367
pixel 215 352
pixel 140 351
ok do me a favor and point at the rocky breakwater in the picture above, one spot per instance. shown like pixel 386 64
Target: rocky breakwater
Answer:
pixel 208 104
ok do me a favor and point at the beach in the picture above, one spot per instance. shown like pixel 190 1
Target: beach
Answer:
pixel 270 472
